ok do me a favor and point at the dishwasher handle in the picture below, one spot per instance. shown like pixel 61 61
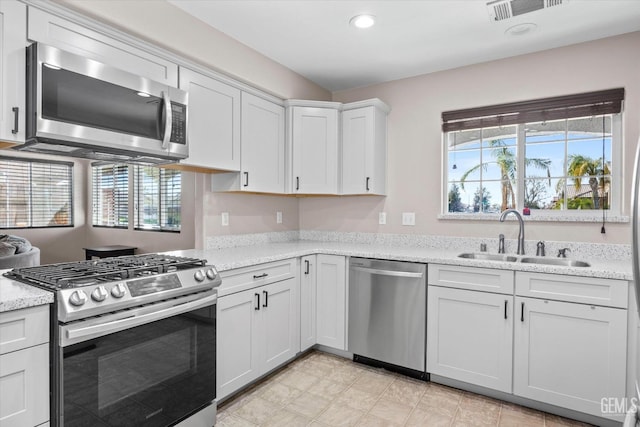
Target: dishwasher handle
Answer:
pixel 393 273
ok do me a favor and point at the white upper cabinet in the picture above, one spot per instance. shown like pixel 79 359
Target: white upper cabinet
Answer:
pixel 364 147
pixel 98 45
pixel 13 36
pixel 214 122
pixel 313 145
pixel 262 143
pixel 262 151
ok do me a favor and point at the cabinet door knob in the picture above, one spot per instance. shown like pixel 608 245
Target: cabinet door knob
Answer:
pixel 257 307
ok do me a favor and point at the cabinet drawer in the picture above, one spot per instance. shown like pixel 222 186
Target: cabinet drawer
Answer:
pixel 24 328
pixel 250 277
pixel 586 290
pixel 473 278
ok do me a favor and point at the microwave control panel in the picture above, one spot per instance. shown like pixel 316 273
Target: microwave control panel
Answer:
pixel 178 123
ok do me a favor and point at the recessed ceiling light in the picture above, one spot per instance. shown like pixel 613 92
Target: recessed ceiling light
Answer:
pixel 363 21
pixel 521 29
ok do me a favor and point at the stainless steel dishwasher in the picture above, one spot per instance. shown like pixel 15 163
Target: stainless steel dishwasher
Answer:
pixel 388 314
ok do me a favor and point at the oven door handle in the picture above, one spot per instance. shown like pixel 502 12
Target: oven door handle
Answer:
pixel 73 336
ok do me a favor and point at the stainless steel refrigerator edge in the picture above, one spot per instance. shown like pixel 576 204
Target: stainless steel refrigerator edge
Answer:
pixel 633 418
pixel 387 312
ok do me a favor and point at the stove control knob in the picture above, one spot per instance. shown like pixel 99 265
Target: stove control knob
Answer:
pixel 211 273
pixel 78 298
pixel 99 294
pixel 199 276
pixel 118 291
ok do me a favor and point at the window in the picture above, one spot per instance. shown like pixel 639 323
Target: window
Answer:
pixel 157 198
pixel 550 155
pixel 111 195
pixel 35 193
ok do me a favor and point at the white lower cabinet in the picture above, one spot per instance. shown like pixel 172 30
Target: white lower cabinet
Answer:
pixel 470 336
pixel 569 355
pixel 331 301
pixel 307 302
pixel 24 367
pixel 257 331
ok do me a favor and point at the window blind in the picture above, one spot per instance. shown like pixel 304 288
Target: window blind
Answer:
pixel 35 193
pixel 110 195
pixel 158 198
pixel 539 110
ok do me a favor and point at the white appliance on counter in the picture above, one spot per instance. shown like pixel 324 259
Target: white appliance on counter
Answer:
pixel 633 417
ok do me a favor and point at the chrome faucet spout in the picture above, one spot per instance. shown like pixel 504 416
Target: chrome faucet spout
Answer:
pixel 520 232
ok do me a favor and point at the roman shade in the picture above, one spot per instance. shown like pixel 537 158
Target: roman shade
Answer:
pixel 538 110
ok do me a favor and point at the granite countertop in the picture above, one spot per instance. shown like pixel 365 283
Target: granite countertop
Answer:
pixel 15 295
pixel 243 256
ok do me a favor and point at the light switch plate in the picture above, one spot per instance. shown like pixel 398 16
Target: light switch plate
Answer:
pixel 382 218
pixel 225 219
pixel 279 217
pixel 408 218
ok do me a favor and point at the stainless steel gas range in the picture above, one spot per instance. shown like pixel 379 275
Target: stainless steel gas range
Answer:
pixel 133 340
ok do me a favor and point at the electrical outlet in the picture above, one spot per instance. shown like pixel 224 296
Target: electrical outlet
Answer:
pixel 408 218
pixel 382 218
pixel 225 219
pixel 279 217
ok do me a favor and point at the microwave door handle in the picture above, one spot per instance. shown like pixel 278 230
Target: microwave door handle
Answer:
pixel 168 124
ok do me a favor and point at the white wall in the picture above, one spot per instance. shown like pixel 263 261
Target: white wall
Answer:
pixel 414 165
pixel 414 137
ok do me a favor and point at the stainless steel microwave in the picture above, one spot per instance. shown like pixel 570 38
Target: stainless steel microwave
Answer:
pixel 79 107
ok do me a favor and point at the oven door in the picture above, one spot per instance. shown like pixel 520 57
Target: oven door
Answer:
pixel 154 367
pixel 81 103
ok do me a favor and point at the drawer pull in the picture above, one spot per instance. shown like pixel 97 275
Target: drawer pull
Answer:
pixel 257 307
pixel 260 276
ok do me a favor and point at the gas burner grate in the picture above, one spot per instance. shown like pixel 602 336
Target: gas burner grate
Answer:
pixel 72 274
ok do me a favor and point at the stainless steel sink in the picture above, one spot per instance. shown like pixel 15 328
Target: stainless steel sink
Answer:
pixel 488 257
pixel 556 261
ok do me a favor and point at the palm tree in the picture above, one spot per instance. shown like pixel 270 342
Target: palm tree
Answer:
pixel 505 159
pixel 580 166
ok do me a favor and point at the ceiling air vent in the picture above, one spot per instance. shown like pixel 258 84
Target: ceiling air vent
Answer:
pixel 499 10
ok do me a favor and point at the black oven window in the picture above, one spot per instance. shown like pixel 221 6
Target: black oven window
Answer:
pixel 151 375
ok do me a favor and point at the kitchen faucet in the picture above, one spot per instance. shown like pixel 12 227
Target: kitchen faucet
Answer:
pixel 520 232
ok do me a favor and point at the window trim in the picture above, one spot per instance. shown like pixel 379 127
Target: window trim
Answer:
pixel 611 215
pixel 71 190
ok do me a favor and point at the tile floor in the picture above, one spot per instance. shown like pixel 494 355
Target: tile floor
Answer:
pixel 321 390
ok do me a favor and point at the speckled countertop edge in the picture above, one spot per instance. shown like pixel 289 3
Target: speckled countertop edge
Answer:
pixel 15 295
pixel 244 256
